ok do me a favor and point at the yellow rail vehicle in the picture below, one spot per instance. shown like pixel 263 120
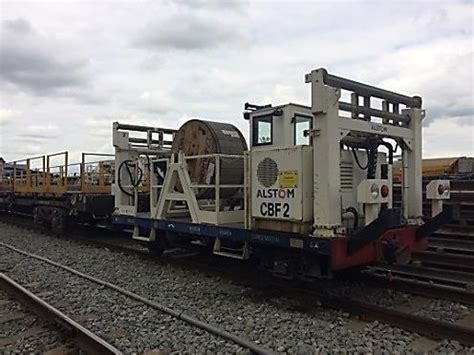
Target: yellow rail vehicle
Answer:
pixel 54 190
pixel 454 167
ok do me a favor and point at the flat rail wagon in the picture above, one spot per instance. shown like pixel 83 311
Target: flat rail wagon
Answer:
pixel 55 191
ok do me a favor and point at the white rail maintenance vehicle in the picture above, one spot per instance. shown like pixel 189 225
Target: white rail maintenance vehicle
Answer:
pixel 311 195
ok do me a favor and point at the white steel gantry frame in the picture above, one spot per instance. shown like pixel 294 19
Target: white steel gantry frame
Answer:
pixel 329 128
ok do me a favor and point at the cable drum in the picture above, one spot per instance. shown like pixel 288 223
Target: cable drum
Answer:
pixel 198 137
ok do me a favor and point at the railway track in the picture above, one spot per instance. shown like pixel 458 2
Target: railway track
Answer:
pixel 457 231
pixel 424 326
pixel 451 261
pixel 421 325
pixel 451 248
pixel 420 279
pixel 79 337
pixel 179 315
pixel 444 270
pixel 456 286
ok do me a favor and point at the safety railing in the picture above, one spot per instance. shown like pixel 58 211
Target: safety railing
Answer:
pixel 52 174
pixel 214 175
pixel 362 94
pixel 25 179
pixel 216 200
pixel 96 176
pixel 57 182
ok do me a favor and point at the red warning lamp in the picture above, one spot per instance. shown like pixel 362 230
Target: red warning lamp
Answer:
pixel 441 189
pixel 384 191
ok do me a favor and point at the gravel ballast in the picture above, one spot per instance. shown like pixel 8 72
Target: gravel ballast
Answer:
pixel 276 323
pixel 22 331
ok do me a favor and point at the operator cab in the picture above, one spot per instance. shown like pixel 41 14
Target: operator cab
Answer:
pixel 279 126
pixel 282 169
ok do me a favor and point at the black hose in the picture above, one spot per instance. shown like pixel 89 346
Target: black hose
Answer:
pixel 148 160
pixel 390 150
pixel 357 160
pixel 134 183
pixel 396 148
pixel 372 145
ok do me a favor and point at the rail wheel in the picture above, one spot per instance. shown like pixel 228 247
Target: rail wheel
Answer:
pixel 159 245
pixel 155 249
pixel 42 218
pixel 58 222
pixel 37 216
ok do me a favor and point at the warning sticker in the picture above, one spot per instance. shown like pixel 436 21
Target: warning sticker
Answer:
pixel 288 179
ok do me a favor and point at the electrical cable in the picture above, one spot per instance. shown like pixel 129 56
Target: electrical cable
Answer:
pixel 390 148
pixel 396 148
pixel 357 160
pixel 372 145
pixel 134 183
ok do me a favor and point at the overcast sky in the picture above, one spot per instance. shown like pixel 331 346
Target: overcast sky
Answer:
pixel 69 69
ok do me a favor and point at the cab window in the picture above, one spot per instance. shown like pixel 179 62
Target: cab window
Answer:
pixel 262 130
pixel 301 125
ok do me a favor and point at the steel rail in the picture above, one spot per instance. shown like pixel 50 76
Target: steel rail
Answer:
pixel 83 338
pixel 462 279
pixel 450 243
pixel 245 343
pixel 455 231
pixel 444 258
pixel 421 287
pixel 429 327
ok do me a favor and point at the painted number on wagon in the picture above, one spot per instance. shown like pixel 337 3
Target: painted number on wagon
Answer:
pixel 275 209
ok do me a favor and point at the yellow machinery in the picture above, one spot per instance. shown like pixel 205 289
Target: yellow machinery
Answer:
pixel 440 167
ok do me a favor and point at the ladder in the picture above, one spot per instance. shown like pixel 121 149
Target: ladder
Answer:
pixel 235 253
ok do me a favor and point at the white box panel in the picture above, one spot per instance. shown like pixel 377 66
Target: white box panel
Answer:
pixel 282 186
pixel 438 190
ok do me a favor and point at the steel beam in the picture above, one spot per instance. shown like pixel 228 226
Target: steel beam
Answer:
pixel 368 90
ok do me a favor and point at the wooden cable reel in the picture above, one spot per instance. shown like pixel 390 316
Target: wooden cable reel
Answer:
pixel 198 137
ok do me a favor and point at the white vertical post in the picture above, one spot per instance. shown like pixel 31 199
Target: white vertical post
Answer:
pixel 153 188
pixel 247 203
pixel 405 188
pixel 414 162
pixel 371 212
pixel 326 157
pixel 135 190
pixel 436 207
pixel 218 187
pixel 390 184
